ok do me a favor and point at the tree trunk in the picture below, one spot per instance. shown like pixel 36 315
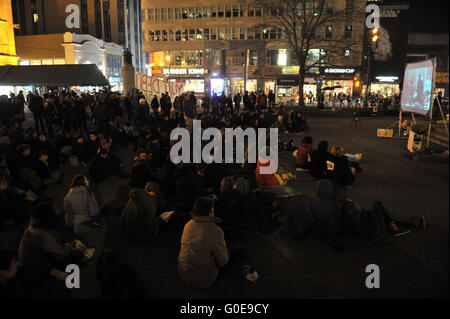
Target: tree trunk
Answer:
pixel 301 82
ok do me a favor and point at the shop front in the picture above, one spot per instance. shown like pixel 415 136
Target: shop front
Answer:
pixel 287 89
pixel 385 86
pixel 193 78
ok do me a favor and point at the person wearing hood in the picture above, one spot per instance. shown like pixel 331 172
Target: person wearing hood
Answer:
pixel 80 205
pixel 203 248
pixel 139 217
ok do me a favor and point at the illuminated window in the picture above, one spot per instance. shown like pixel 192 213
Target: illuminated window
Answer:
pixel 47 62
pixel 347 53
pixel 282 57
pixel 206 13
pixel 35 17
pixel 199 34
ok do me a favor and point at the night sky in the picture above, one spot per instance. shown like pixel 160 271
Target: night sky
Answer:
pixel 428 16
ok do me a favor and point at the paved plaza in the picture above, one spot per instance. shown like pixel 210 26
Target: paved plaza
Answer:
pixel 412 266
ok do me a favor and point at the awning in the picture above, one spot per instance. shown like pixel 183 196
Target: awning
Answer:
pixel 52 75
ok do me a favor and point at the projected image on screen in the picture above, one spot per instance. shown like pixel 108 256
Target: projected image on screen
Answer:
pixel 417 87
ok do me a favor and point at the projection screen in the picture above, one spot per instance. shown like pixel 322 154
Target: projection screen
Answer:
pixel 418 87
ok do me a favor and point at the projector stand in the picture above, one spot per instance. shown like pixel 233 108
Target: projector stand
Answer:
pixel 430 124
pixel 398 124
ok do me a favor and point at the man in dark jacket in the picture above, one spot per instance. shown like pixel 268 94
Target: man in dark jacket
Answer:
pixel 36 106
pixel 319 160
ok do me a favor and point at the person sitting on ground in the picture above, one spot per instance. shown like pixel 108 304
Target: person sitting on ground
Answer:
pixel 80 206
pixel 265 179
pixel 340 171
pixel 304 153
pixel 79 151
pixel 41 167
pixel 323 214
pixel 319 160
pixel 142 173
pixel 367 224
pixel 42 255
pixel 139 217
pixel 106 164
pixel 203 248
pixel 92 146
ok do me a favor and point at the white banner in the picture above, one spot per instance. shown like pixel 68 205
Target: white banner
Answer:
pixel 149 85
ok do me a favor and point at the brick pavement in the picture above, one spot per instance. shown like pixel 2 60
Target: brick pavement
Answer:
pixel 413 266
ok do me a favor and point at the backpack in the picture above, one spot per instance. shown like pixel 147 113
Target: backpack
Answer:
pixel 117 278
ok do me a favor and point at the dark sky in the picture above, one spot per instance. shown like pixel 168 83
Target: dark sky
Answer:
pixel 429 16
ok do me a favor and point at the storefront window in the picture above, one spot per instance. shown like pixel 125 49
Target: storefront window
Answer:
pixel 217 86
pixel 252 85
pixel 269 85
pixel 197 86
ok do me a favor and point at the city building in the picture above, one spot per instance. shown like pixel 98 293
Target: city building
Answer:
pixel 423 46
pixel 112 21
pixel 215 46
pixel 7 44
pixel 72 48
pixel 385 58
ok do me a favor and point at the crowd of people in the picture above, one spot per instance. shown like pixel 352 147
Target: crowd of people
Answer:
pixel 207 201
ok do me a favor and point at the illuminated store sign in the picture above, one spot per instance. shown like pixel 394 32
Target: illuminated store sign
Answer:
pixel 179 71
pixel 346 71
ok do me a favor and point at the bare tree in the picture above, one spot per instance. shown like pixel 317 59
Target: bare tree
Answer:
pixel 303 25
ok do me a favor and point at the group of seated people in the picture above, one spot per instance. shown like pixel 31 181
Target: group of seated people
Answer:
pixel 332 212
pixel 208 201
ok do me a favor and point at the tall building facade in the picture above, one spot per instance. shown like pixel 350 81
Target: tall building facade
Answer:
pixel 7 43
pixel 116 21
pixel 220 45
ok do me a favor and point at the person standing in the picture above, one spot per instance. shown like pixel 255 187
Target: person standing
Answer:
pixel 271 98
pixel 237 101
pixel 36 106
